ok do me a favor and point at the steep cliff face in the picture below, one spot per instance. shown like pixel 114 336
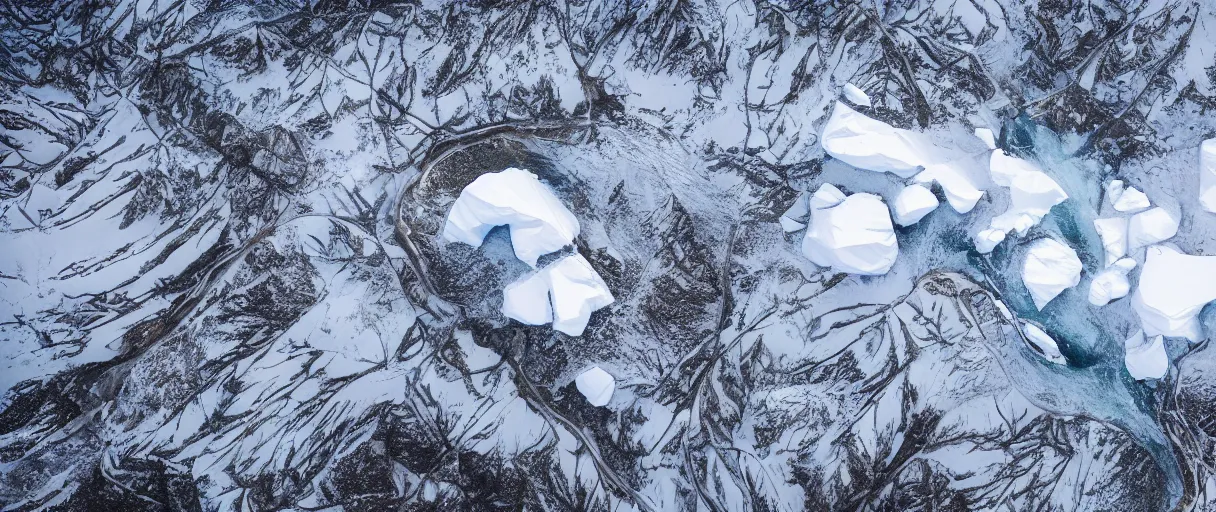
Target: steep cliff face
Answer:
pixel 224 286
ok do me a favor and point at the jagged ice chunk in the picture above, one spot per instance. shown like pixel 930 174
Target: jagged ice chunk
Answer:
pixel 1032 193
pixel 1146 358
pixel 1113 232
pixel 539 222
pixel 913 203
pixel 1173 288
pixel 1050 268
pixel 1111 284
pixel 1128 199
pixel 1149 227
pixel 850 234
pixel 565 293
pixel 870 144
pixel 597 385
pixel 856 95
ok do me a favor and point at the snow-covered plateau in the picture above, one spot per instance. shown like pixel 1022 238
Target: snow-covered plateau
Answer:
pixel 542 255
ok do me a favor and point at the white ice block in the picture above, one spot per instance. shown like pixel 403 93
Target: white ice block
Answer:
pixel 1150 227
pixel 1146 358
pixel 539 222
pixel 597 385
pixel 1050 268
pixel 913 203
pixel 853 235
pixel 1173 289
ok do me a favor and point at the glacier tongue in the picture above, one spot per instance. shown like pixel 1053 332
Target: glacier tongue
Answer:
pixel 539 222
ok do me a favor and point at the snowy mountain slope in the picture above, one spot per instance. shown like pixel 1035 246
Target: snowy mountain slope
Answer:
pixel 223 284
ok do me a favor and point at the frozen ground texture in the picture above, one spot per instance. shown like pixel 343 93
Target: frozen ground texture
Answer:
pixel 224 281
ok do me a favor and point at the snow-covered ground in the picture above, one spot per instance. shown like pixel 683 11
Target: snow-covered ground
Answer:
pixel 607 255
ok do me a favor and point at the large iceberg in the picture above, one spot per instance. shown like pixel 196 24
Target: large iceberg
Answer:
pixel 871 144
pixel 1173 288
pixel 565 293
pixel 1032 194
pixel 1207 175
pixel 1150 227
pixel 1146 358
pixel 539 222
pixel 597 385
pixel 1050 268
pixel 851 234
pixel 913 203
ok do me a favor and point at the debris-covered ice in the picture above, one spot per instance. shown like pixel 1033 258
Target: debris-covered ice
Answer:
pixel 596 385
pixel 1173 288
pixel 539 222
pixel 850 234
pixel 913 203
pixel 566 292
pixel 1145 357
pixel 1050 268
